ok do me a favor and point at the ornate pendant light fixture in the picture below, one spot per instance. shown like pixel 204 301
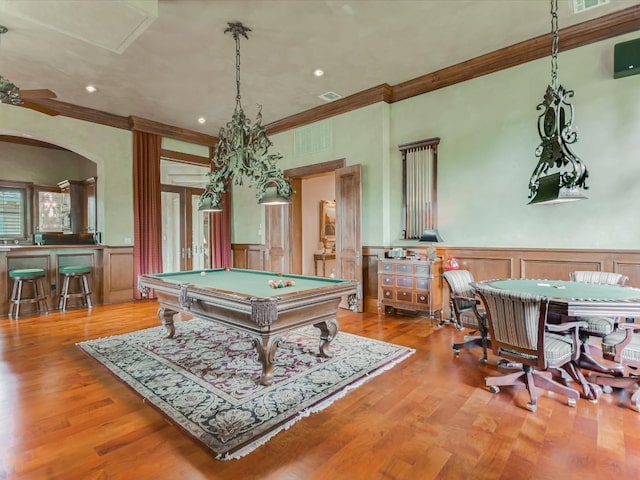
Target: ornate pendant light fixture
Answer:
pixel 9 93
pixel 242 150
pixel 560 175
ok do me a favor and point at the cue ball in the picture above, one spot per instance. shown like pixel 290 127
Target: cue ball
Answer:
pixel 227 269
pixel 203 273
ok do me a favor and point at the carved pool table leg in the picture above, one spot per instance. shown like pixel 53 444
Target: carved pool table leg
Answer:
pixel 328 331
pixel 266 347
pixel 166 318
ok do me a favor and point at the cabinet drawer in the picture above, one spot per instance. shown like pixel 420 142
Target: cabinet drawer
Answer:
pixel 422 299
pixel 387 294
pixel 404 296
pixel 423 283
pixel 404 268
pixel 404 282
pixel 388 280
pixel 423 269
pixel 387 267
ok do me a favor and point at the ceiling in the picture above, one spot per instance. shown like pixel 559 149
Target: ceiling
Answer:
pixel 169 60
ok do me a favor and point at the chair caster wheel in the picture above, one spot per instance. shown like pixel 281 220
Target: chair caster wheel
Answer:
pixel 494 389
pixel 532 408
pixel 607 389
pixel 483 361
pixel 456 352
pixel 571 402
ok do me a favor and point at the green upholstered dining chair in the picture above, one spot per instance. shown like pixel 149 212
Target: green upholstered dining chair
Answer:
pixel 467 311
pixel 519 333
pixel 622 347
pixel 596 326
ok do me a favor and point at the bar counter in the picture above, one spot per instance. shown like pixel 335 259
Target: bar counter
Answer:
pixel 111 279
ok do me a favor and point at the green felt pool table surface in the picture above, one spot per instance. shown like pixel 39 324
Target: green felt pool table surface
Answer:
pixel 251 283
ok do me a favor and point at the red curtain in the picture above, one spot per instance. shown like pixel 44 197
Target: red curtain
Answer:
pixel 221 235
pixel 147 209
pixel 221 232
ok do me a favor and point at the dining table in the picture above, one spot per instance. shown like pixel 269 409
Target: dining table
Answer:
pixel 568 299
pixel 576 299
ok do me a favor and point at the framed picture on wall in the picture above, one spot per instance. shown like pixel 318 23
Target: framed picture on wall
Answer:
pixel 327 221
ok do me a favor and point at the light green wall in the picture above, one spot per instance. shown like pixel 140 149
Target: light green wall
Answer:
pixel 185 147
pixel 110 148
pixel 488 130
pixel 34 164
pixel 488 136
pixel 359 137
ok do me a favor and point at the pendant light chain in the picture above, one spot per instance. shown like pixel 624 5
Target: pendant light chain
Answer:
pixel 237 37
pixel 554 44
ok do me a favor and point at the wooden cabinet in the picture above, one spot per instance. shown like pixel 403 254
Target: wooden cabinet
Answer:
pixel 79 215
pixel 413 285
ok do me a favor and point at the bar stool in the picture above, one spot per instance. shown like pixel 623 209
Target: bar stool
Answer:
pixel 27 275
pixel 81 273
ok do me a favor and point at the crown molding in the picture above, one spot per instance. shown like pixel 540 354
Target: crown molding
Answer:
pixel 581 34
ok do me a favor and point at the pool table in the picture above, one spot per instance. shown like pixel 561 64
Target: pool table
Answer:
pixel 247 301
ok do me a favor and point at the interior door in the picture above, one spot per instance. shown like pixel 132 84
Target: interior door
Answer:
pixel 172 229
pixel 277 233
pixel 185 231
pixel 348 227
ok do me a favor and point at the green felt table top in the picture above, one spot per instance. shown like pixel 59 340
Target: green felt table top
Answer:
pixel 247 282
pixel 563 289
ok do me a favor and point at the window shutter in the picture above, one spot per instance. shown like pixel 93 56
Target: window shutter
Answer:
pixel 12 213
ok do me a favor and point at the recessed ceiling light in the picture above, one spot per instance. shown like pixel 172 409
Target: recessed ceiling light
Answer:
pixel 318 72
pixel 202 120
pixel 90 88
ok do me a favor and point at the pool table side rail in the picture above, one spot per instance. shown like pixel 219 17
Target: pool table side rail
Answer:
pixel 341 288
pixel 254 315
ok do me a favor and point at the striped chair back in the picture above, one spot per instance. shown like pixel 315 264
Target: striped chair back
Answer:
pixel 604 278
pixel 516 324
pixel 459 282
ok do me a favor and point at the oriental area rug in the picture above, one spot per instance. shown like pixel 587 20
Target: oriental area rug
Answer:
pixel 206 379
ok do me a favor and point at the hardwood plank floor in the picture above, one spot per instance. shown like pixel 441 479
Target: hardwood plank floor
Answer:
pixel 65 417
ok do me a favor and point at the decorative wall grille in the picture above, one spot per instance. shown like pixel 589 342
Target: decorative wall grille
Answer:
pixel 419 167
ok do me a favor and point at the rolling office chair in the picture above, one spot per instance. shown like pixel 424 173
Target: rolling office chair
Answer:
pixel 520 333
pixel 467 312
pixel 597 326
pixel 622 347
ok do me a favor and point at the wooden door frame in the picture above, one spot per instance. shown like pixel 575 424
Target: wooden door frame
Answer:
pixel 296 175
pixel 186 228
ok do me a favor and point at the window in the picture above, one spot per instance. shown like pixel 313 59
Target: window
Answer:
pixel 419 175
pixel 13 210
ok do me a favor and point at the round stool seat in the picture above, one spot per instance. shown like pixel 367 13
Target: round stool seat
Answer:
pixel 79 274
pixel 75 270
pixel 34 277
pixel 26 273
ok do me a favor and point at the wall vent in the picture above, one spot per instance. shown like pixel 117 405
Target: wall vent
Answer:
pixel 314 138
pixel 582 5
pixel 329 96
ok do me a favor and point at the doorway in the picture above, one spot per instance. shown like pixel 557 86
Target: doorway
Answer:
pixel 348 242
pixel 186 232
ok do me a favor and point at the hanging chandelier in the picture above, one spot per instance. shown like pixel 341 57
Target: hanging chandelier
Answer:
pixel 242 150
pixel 9 93
pixel 560 175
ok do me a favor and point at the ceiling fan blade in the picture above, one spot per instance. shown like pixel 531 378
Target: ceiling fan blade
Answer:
pixel 40 108
pixel 33 94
